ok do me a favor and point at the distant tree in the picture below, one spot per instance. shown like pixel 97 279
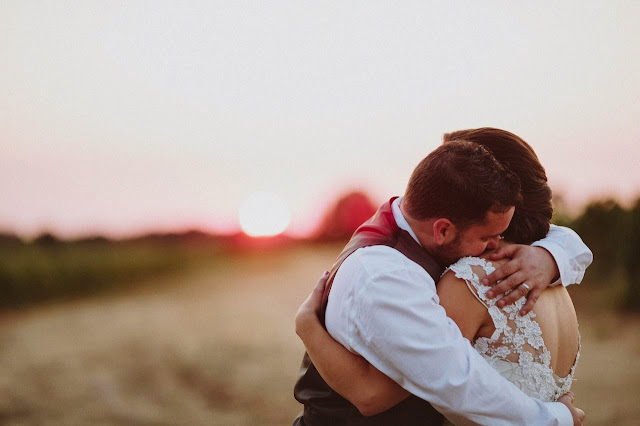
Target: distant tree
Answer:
pixel 612 232
pixel 187 237
pixel 46 239
pixel 632 258
pixel 9 239
pixel 345 215
pixel 605 228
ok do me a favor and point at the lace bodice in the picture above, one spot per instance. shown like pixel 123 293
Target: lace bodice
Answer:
pixel 516 349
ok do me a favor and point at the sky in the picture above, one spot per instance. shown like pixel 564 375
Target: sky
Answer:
pixel 125 117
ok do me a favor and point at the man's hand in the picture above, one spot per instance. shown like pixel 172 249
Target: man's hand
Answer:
pixel 531 265
pixel 576 413
pixel 308 311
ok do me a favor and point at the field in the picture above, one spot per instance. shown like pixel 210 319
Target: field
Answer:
pixel 216 346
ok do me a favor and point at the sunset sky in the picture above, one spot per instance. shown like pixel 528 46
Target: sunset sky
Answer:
pixel 124 117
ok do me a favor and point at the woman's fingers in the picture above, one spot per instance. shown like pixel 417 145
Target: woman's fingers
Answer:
pixel 514 279
pixel 507 250
pixel 528 273
pixel 532 298
pixel 314 301
pixel 503 271
pixel 310 308
pixel 576 413
pixel 322 281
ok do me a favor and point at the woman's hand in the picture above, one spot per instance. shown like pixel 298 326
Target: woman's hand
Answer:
pixel 576 413
pixel 310 308
pixel 531 265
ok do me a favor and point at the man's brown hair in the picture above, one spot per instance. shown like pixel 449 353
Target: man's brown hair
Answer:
pixel 460 181
pixel 531 219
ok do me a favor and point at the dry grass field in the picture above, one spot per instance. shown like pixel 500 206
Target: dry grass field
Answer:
pixel 218 348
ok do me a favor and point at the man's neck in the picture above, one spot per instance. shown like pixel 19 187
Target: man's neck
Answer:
pixel 422 229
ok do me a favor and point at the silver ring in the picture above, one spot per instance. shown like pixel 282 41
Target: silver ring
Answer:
pixel 526 286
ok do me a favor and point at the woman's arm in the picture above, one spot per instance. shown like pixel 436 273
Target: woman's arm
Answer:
pixel 347 373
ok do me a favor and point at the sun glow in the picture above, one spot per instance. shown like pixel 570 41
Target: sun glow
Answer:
pixel 264 214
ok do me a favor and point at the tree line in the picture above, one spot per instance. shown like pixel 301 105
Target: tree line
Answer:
pixel 48 268
pixel 612 232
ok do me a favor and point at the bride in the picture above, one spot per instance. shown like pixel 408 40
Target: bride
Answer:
pixel 537 352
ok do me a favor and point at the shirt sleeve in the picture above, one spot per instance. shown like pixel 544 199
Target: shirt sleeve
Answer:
pixel 571 255
pixel 395 321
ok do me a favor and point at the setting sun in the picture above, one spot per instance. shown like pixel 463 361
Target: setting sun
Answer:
pixel 264 214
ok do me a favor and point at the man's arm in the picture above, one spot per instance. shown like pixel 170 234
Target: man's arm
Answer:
pixel 560 255
pixel 394 321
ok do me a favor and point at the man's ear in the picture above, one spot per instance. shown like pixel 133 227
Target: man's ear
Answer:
pixel 443 231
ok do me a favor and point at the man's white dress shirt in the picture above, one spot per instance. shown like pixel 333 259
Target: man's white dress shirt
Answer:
pixel 384 307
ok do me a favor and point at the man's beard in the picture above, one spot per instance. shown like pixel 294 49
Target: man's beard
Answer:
pixel 449 253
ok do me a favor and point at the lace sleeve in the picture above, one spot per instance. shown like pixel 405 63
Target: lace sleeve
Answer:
pixel 471 270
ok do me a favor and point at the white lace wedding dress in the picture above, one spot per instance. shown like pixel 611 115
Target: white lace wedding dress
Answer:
pixel 516 349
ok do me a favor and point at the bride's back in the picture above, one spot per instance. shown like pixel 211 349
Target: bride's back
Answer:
pixel 556 316
pixel 557 319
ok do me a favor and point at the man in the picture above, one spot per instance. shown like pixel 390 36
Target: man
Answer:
pixel 383 306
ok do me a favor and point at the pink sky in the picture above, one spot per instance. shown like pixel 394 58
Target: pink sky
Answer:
pixel 120 119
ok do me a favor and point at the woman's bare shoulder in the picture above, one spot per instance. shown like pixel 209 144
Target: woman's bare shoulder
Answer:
pixel 461 305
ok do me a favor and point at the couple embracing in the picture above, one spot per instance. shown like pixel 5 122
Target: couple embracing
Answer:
pixel 387 346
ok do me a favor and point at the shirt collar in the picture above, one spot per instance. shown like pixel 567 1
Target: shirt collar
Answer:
pixel 400 220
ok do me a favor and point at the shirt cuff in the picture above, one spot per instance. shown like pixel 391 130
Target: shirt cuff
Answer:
pixel 560 257
pixel 561 412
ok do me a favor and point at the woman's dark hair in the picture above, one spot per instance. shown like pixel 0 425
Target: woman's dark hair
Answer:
pixel 461 181
pixel 532 216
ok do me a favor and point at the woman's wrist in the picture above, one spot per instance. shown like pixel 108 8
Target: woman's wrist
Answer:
pixel 306 321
